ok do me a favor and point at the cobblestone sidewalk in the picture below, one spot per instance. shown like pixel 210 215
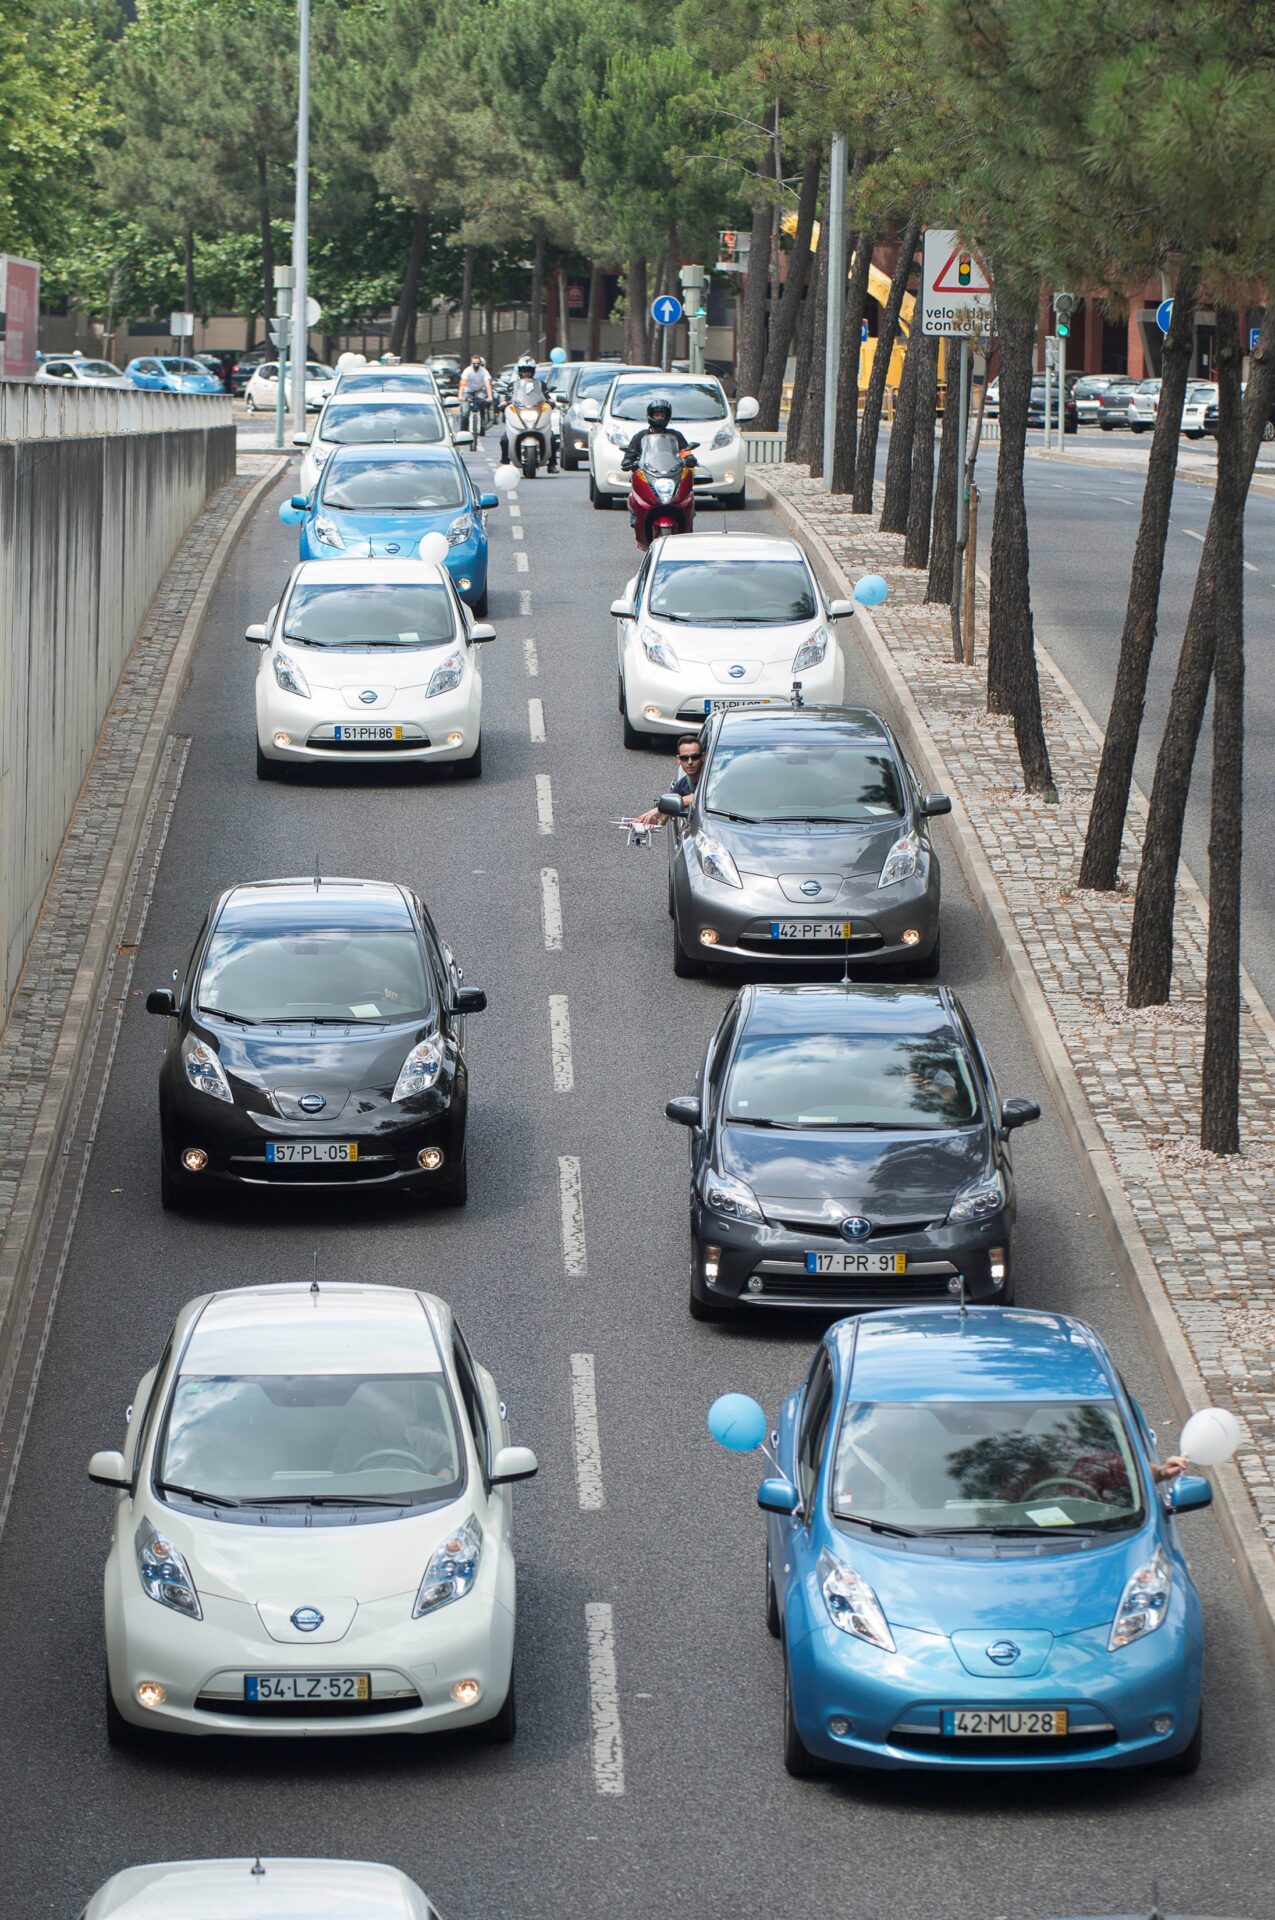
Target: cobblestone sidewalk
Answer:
pixel 1209 1222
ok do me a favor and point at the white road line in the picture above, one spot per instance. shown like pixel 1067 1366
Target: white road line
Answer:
pixel 515 511
pixel 524 602
pixel 1191 534
pixel 1249 567
pixel 571 1202
pixel 536 718
pixel 564 1073
pixel 530 656
pixel 520 560
pixel 607 1742
pixel 588 1443
pixel 544 802
pixel 551 910
pixel 517 533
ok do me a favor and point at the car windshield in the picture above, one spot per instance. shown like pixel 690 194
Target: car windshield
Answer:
pixel 278 1438
pixel 352 975
pixel 378 613
pixel 315 370
pixel 912 1083
pixel 182 366
pixel 730 593
pixel 953 1466
pixel 1090 389
pixel 811 779
pixel 697 400
pixel 367 421
pixel 389 486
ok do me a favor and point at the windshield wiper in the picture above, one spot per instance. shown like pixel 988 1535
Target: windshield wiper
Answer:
pixel 319 1020
pixel 221 1013
pixel 326 1500
pixel 744 819
pixel 194 1493
pixel 883 1526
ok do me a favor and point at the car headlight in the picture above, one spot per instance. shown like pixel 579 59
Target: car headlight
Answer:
pixel 204 1070
pixel 1144 1604
pixel 659 651
pixel 979 1200
pixel 619 439
pixel 452 1570
pixel 446 675
pixel 725 1194
pixel 164 1574
pixel 903 862
pixel 327 532
pixel 811 651
pixel 851 1603
pixel 715 862
pixel 723 437
pixel 289 676
pixel 460 530
pixel 420 1069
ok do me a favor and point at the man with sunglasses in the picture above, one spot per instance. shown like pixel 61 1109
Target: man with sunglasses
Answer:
pixel 690 764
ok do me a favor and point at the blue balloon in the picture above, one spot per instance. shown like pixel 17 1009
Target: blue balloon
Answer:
pixel 291 516
pixel 557 355
pixel 871 591
pixel 737 1422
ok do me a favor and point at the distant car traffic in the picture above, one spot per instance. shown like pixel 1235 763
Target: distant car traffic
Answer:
pixel 848 1149
pixel 713 622
pixel 445 368
pixel 168 373
pixel 243 366
pixel 369 419
pixel 397 625
pixel 701 412
pixel 1200 396
pixel 234 1890
pixel 969 1562
pixel 1087 395
pixel 317 1039
pixel 74 370
pixel 312 1527
pixel 592 378
pixel 381 502
pixel 1036 408
pixel 1113 408
pixel 807 839
pixel 262 390
pixel 1143 405
pixel 1210 420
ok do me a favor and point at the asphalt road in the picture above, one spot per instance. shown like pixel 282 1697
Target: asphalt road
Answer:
pixel 707 1822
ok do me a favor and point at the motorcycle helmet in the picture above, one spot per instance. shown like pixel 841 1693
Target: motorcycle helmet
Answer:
pixel 526 367
pixel 659 412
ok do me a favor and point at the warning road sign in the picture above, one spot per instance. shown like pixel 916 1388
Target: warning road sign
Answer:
pixel 956 288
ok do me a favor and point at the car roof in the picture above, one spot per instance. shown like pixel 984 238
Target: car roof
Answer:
pixel 227 1889
pixel 363 903
pixel 985 1353
pixel 877 1007
pixel 416 573
pixel 730 546
pixel 766 724
pixel 304 1327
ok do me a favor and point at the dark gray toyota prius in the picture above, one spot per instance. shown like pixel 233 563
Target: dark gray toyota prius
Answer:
pixel 848 1149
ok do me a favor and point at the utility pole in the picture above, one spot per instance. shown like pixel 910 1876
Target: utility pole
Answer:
pixel 835 266
pixel 301 221
pixel 283 283
pixel 693 300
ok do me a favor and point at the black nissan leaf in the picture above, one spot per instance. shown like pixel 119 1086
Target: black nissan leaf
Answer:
pixel 317 1040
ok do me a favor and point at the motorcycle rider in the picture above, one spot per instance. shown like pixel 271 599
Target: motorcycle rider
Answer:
pixel 659 415
pixel 525 376
pixel 475 385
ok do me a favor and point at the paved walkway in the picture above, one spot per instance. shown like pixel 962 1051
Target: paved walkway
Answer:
pixel 1209 1222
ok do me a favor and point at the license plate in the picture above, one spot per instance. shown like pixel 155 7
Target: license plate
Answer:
pixel 992 1723
pixel 856 1263
pixel 367 733
pixel 742 700
pixel 810 929
pixel 307 1686
pixel 311 1152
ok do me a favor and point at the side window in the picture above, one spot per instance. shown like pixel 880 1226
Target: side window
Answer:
pixel 471 1395
pixel 813 1431
pixel 147 1421
pixel 643 581
pixel 715 1064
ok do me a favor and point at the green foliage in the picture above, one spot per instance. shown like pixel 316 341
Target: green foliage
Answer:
pixel 51 113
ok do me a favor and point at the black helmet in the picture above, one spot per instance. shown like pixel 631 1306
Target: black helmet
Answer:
pixel 659 405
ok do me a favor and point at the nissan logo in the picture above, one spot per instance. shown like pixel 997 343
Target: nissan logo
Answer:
pixel 391 546
pixel 812 888
pixel 855 1227
pixel 312 1103
pixel 368 696
pixel 1003 1652
pixel 737 672
pixel 307 1619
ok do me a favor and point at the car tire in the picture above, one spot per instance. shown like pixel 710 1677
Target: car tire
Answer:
pixel 684 965
pixel 456 1192
pixel 798 1759
pixel 773 1626
pixel 1188 1761
pixel 733 502
pixel 929 968
pixel 632 738
pixel 1135 428
pixel 471 769
pixel 174 1197
pixel 1195 433
pixel 480 605
pixel 267 769
pixel 600 501
pixel 571 462
pixel 1268 431
pixel 500 1730
pixel 1106 426
pixel 250 403
pixel 120 1733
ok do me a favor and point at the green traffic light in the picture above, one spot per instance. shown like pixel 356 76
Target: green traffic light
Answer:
pixel 1064 329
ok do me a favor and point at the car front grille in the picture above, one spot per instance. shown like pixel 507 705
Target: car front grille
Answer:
pixel 308 1709
pixel 336 1173
pixel 890 1289
pixel 1013 1748
pixel 762 944
pixel 368 746
pixel 824 1230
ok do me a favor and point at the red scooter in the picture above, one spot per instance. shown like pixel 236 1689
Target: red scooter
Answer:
pixel 662 498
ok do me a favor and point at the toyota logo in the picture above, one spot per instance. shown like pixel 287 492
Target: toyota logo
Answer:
pixel 307 1619
pixel 855 1227
pixel 312 1103
pixel 737 672
pixel 368 696
pixel 811 888
pixel 1003 1652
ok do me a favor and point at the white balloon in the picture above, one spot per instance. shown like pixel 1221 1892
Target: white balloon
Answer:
pixel 507 478
pixel 433 547
pixel 1210 1436
pixel 347 360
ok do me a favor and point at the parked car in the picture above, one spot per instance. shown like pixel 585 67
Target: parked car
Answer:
pixel 1088 394
pixel 1200 395
pixel 1210 421
pixel 262 389
pixel 231 1890
pixel 1036 409
pixel 701 412
pixel 244 365
pixel 170 373
pixel 1143 404
pixel 592 378
pixel 991 410
pixel 1113 408
pixel 74 370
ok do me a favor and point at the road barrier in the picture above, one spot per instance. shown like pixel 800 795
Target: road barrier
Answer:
pixel 97 491
pixel 765 448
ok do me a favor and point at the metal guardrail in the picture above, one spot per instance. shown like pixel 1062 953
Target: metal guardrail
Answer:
pixel 765 449
pixel 34 411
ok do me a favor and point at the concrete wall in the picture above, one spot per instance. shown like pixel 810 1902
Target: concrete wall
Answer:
pixel 88 526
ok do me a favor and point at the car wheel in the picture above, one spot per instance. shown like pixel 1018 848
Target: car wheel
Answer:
pixel 1188 1761
pixel 772 1600
pixel 571 462
pixel 601 501
pixel 501 1730
pixel 174 1197
pixel 684 966
pixel 267 769
pixel 120 1733
pixel 480 605
pixel 632 738
pixel 1268 431
pixel 733 502
pixel 1105 425
pixel 472 768
pixel 456 1192
pixel 798 1759
pixel 928 969
pixel 1135 428
pixel 1195 433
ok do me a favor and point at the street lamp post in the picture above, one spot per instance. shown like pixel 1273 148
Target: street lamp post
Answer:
pixel 835 268
pixel 301 220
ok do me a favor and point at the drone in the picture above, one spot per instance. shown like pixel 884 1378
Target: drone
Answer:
pixel 638 836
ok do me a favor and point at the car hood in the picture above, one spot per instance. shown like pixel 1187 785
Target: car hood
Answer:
pixel 392 533
pixel 720 649
pixel 376 670
pixel 820 1177
pixel 300 1059
pixel 791 847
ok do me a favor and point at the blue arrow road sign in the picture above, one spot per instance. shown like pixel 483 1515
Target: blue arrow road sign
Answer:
pixel 1163 315
pixel 1254 335
pixel 863 331
pixel 666 310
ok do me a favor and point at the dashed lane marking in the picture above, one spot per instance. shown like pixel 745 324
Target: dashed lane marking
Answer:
pixel 544 802
pixel 564 1073
pixel 524 602
pixel 606 1739
pixel 531 657
pixel 520 559
pixel 515 511
pixel 584 1423
pixel 517 533
pixel 536 718
pixel 551 909
pixel 571 1204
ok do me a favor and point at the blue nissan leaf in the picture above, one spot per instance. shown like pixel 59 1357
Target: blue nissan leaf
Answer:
pixel 382 501
pixel 971 1562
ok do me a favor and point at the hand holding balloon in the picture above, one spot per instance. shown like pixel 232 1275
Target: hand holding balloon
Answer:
pixel 1210 1437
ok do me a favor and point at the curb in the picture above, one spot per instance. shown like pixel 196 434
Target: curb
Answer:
pixel 1263 482
pixel 49 1141
pixel 1244 1540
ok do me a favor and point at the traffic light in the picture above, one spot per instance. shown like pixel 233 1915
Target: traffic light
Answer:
pixel 1064 307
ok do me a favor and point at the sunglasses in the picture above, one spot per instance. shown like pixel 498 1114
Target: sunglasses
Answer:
pixel 690 756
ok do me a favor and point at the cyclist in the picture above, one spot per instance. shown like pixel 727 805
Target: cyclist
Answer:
pixel 475 391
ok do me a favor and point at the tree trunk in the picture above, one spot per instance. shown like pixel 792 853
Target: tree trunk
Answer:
pixel 490 355
pixel 1151 937
pixel 847 427
pixel 267 240
pixel 466 303
pixel 405 312
pixel 866 459
pixel 188 268
pixel 536 318
pixel 596 286
pixel 797 412
pixel 1100 862
pixel 784 329
pixel 916 547
pixel 818 360
pixel 943 535
pixel 751 347
pixel 1012 683
pixel 635 315
pixel 1220 1092
pixel 898 464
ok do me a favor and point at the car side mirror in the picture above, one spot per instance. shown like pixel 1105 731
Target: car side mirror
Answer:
pixel 1188 1493
pixel 622 609
pixel 489 500
pixel 290 514
pixel 840 609
pixel 258 633
pixel 161 1000
pixel 746 409
pixel 671 805
pixel 590 410
pixel 778 1495
pixel 469 1000
pixel 462 437
pixel 298 501
pixel 107 1469
pixel 483 631
pixel 932 804
pixel 1017 1113
pixel 513 1463
pixel 685 1110
pixel 301 439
